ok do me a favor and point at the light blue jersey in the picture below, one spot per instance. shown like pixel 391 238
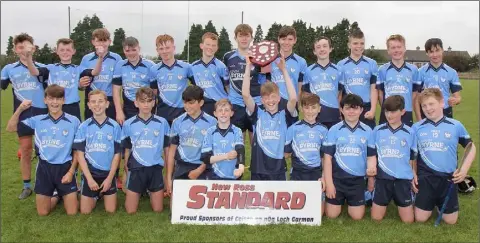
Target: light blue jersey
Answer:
pixel 146 140
pixel 358 76
pixel 349 148
pixel 395 149
pixel 219 142
pixel 100 143
pixel 401 81
pixel 103 81
pixel 25 86
pixel 444 78
pixel 437 145
pixel 64 75
pixel 211 77
pixel 304 141
pixel 53 138
pixel 188 134
pixel 170 82
pixel 296 67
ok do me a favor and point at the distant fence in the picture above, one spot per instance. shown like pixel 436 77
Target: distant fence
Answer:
pixel 470 75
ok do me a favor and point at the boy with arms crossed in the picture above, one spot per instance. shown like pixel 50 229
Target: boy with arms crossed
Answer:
pixel 223 145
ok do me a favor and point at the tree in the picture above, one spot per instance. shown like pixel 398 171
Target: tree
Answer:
pixel 474 62
pixel 195 37
pixel 272 34
pixel 258 34
pixel 458 62
pixel 10 52
pixel 82 35
pixel 118 38
pixel 224 44
pixel 339 36
pixel 375 55
pixel 209 27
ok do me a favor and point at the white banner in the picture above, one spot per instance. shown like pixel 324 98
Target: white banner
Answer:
pixel 246 202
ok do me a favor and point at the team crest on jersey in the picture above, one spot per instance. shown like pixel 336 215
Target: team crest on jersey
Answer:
pixel 363 140
pixel 204 132
pixel 111 68
pixel 142 76
pixel 292 70
pixel 214 75
pixel 109 136
pixel 156 133
pixel 321 136
pixel 333 77
pixel 443 79
pixel 407 79
pixel 65 132
pixel 179 76
pixel 448 135
pixel 403 142
pixel 366 71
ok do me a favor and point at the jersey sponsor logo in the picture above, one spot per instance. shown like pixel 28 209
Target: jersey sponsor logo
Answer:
pixel 96 147
pixel 190 142
pixel 102 78
pixel 429 145
pixel 345 150
pixel 145 143
pixel 309 147
pixel 356 81
pixel 273 135
pixel 323 87
pixel 391 153
pixel 169 87
pixel 396 89
pixel 67 84
pixel 204 84
pixel 53 143
pixel 24 86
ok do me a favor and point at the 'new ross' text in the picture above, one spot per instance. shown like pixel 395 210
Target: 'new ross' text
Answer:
pixel 240 196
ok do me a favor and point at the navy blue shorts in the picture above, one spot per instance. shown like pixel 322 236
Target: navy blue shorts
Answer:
pixel 85 189
pixel 30 112
pixel 110 109
pixel 145 178
pixel 183 168
pixel 303 175
pixel 48 178
pixel 399 190
pixel 268 177
pixel 240 118
pixel 350 189
pixel 328 116
pixel 407 118
pixel 72 109
pixel 169 113
pixel 432 191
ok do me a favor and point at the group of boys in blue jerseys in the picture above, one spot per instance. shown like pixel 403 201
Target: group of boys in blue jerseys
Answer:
pixel 150 114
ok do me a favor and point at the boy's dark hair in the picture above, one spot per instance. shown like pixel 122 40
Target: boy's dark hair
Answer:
pixel 356 33
pixel 130 42
pixel 323 38
pixel 192 93
pixel 352 100
pixel 286 31
pixel 433 42
pixel 394 103
pixel 308 99
pixel 22 37
pixel 144 93
pixel 55 91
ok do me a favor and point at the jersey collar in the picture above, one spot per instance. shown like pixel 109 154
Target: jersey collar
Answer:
pixel 95 56
pixel 303 122
pixel 23 65
pixel 212 62
pixel 139 64
pixel 400 128
pixel 399 69
pixel 224 132
pixel 62 117
pixel 442 66
pixel 329 64
pixel 352 129
pixel 350 59
pixel 201 116
pixel 94 121
pixel 444 119
pixel 175 64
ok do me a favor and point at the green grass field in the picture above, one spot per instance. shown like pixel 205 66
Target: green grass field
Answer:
pixel 21 223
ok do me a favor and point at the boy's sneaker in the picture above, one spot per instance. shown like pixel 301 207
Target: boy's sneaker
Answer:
pixel 26 192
